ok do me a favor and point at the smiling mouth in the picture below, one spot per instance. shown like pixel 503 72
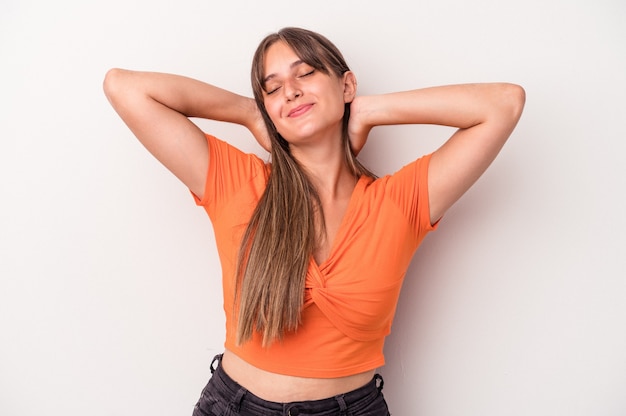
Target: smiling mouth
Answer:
pixel 299 110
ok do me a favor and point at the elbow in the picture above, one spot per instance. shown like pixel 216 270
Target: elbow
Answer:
pixel 514 98
pixel 112 84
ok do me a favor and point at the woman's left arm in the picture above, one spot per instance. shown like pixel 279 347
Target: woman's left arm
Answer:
pixel 485 115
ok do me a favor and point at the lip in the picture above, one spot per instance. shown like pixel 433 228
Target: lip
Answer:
pixel 299 110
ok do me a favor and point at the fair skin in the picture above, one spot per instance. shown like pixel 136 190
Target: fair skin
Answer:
pixel 307 107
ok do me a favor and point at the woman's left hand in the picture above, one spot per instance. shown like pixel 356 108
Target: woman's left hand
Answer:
pixel 358 128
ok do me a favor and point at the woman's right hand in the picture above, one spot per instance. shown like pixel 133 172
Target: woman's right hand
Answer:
pixel 258 128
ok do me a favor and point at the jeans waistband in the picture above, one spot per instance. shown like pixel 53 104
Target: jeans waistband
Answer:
pixel 339 404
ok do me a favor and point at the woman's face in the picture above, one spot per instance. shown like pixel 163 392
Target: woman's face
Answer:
pixel 305 104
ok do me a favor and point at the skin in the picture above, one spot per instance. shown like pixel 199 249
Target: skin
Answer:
pixel 306 108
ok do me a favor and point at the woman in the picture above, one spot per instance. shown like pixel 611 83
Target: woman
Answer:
pixel 313 247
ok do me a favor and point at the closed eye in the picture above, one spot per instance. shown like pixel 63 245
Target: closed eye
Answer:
pixel 272 91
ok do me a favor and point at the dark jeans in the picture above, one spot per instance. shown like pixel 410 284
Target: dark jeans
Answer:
pixel 222 396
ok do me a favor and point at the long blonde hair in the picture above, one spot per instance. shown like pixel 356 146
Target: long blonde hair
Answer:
pixel 278 243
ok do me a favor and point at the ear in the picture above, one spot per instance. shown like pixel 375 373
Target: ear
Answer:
pixel 349 86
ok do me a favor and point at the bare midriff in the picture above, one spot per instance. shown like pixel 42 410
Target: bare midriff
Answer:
pixel 283 388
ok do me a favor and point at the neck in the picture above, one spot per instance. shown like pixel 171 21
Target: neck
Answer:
pixel 327 168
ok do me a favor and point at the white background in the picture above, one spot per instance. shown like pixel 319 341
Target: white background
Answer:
pixel 110 298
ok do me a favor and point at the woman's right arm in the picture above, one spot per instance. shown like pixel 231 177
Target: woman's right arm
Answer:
pixel 156 107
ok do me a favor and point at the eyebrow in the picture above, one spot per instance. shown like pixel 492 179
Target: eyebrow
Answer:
pixel 293 65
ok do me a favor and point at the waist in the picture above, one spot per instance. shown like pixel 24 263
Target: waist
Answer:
pixel 284 388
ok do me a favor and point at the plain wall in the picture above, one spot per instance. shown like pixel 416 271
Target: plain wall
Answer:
pixel 110 299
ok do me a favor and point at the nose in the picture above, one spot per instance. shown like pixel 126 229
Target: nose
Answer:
pixel 292 91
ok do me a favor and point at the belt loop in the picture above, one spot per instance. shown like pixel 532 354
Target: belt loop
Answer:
pixel 235 404
pixel 379 382
pixel 217 359
pixel 343 408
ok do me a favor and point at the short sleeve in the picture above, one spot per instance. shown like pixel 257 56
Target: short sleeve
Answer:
pixel 408 187
pixel 229 171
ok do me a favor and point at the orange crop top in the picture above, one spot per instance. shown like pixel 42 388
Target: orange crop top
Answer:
pixel 351 298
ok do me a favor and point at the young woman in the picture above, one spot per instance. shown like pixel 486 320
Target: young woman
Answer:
pixel 313 247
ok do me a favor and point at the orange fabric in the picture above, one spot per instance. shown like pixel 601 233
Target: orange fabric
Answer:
pixel 351 298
